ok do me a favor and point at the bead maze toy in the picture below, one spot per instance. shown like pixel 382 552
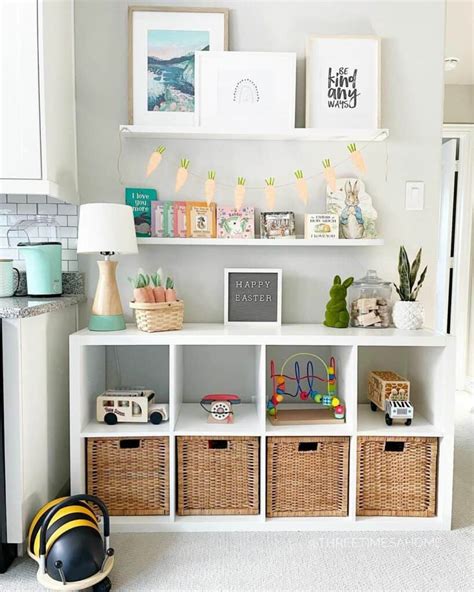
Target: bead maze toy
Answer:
pixel 329 408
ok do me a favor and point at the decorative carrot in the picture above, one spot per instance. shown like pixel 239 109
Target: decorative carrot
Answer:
pixel 182 174
pixel 301 186
pixel 170 291
pixel 154 160
pixel 357 158
pixel 329 174
pixel 270 192
pixel 142 292
pixel 239 193
pixel 158 288
pixel 210 187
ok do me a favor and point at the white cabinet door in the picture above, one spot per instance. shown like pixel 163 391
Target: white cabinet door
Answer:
pixel 36 411
pixel 20 138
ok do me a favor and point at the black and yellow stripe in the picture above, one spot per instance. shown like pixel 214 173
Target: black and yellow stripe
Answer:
pixel 72 516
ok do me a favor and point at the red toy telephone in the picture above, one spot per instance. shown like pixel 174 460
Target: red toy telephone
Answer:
pixel 220 410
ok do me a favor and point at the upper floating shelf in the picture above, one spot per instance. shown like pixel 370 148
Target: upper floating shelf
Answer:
pixel 264 242
pixel 299 134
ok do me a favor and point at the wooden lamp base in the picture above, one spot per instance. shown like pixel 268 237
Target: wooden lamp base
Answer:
pixel 107 312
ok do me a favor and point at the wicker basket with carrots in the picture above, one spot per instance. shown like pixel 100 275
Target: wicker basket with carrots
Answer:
pixel 156 305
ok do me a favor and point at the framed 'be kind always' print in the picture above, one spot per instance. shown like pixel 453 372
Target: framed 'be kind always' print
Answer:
pixel 343 82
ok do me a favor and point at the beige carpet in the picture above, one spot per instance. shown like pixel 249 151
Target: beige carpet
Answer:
pixel 273 562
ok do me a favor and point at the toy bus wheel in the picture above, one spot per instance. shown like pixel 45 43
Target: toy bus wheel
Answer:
pixel 388 419
pixel 110 418
pixel 104 586
pixel 408 422
pixel 156 418
pixel 373 406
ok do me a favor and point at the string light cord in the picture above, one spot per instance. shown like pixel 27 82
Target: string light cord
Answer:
pixel 232 185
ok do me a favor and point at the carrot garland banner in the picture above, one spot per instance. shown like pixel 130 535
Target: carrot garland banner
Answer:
pixel 357 158
pixel 239 193
pixel 154 160
pixel 270 192
pixel 182 174
pixel 210 186
pixel 329 174
pixel 301 186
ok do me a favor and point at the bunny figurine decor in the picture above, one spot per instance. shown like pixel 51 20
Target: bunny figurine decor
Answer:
pixel 353 205
pixel 337 314
pixel 352 220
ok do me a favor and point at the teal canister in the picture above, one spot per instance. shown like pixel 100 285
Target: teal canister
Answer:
pixel 43 268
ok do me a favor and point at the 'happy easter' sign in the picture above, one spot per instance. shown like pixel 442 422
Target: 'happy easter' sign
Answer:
pixel 252 296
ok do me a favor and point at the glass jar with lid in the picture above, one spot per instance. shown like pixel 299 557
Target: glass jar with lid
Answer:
pixel 370 302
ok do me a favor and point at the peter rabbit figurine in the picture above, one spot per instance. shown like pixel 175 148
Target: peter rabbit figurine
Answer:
pixel 352 221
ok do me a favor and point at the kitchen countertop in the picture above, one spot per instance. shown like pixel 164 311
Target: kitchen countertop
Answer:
pixel 19 307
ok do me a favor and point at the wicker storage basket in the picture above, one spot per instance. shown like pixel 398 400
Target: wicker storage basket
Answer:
pixel 159 316
pixel 396 476
pixel 307 476
pixel 218 475
pixel 131 475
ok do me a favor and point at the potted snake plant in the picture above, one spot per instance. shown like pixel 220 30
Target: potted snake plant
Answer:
pixel 408 313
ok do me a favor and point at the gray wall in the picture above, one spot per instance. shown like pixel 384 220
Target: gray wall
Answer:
pixel 412 99
pixel 459 103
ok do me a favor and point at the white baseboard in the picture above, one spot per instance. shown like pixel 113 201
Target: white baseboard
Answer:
pixel 470 384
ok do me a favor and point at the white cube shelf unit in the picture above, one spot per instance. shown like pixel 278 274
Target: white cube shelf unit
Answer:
pixel 184 365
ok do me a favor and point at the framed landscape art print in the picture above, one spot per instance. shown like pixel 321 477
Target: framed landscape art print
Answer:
pixel 245 90
pixel 162 42
pixel 343 82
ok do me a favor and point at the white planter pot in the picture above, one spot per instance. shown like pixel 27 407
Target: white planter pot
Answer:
pixel 408 315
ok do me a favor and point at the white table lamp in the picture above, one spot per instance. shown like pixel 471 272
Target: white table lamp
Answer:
pixel 106 228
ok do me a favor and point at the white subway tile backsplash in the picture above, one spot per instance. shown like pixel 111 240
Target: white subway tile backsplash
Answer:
pixel 69 255
pixel 48 209
pixel 26 209
pixel 36 199
pixel 61 220
pixel 14 208
pixel 8 208
pixel 67 209
pixel 67 232
pixel 16 198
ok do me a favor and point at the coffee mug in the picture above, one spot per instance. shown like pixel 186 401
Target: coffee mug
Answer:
pixel 7 286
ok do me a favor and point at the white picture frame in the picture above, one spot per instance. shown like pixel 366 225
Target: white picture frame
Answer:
pixel 228 319
pixel 163 34
pixel 245 90
pixel 343 82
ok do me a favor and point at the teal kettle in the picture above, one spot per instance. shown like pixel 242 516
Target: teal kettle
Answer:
pixel 43 268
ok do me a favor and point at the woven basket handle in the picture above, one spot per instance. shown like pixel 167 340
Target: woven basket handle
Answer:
pixel 308 446
pixel 218 444
pixel 394 446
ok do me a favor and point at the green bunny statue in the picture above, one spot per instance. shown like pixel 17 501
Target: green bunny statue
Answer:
pixel 337 314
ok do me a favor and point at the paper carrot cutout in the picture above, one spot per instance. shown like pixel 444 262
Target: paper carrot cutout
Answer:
pixel 182 174
pixel 357 158
pixel 239 193
pixel 210 186
pixel 301 186
pixel 154 160
pixel 329 174
pixel 270 192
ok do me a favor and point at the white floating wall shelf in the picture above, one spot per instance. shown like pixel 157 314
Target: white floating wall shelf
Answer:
pixel 262 242
pixel 295 134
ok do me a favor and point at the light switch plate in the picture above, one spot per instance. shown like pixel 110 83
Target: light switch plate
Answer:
pixel 414 195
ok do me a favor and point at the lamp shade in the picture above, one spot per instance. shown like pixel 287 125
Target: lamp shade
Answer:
pixel 106 227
